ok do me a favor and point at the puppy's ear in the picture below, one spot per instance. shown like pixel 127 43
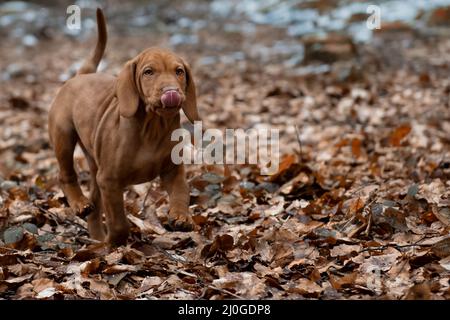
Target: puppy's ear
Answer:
pixel 190 105
pixel 126 90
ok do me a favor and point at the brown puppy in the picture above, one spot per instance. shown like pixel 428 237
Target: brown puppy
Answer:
pixel 123 124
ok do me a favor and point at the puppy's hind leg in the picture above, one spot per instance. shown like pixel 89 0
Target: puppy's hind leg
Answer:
pixel 64 141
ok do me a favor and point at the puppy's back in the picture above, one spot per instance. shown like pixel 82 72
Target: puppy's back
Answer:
pixel 81 101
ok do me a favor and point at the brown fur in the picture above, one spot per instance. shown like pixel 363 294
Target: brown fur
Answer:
pixel 124 131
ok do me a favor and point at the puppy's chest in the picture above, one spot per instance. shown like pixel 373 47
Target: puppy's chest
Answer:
pixel 147 162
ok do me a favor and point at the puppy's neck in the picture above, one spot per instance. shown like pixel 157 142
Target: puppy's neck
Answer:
pixel 154 125
pixel 150 126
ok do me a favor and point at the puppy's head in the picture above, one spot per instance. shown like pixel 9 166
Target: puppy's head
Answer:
pixel 161 81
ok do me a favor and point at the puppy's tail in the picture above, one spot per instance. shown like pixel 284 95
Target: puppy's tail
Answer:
pixel 90 65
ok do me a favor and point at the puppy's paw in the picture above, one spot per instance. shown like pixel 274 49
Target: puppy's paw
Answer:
pixel 117 236
pixel 82 208
pixel 114 241
pixel 180 222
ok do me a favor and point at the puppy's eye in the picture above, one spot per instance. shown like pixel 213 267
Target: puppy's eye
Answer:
pixel 148 72
pixel 179 72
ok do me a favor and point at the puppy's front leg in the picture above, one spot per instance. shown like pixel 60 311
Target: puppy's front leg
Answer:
pixel 116 220
pixel 174 182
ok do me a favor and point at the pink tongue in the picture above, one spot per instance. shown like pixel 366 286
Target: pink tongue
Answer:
pixel 170 99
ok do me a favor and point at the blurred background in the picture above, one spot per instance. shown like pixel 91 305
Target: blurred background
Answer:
pixel 257 63
pixel 293 32
pixel 314 64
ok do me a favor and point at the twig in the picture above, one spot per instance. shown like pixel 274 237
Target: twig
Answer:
pixel 367 211
pixel 348 222
pixel 79 225
pixel 401 269
pixel 166 253
pixel 187 274
pixel 299 142
pixel 48 254
pixel 354 233
pixel 54 216
pixel 369 224
pixel 88 240
pixel 396 246
pixel 225 291
pixel 143 206
pixel 145 199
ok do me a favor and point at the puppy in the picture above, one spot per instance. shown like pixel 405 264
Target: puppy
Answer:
pixel 123 125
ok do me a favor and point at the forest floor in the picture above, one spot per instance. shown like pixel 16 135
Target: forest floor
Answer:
pixel 359 208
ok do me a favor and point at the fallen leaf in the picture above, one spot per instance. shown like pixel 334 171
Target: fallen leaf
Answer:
pixel 305 287
pixel 46 293
pixel 146 227
pixel 399 134
pixel 441 248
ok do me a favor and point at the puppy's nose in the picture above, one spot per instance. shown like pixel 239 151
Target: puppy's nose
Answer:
pixel 170 97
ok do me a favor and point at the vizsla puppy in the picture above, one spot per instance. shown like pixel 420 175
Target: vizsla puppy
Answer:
pixel 123 124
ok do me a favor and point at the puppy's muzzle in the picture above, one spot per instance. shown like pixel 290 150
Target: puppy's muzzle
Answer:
pixel 170 98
